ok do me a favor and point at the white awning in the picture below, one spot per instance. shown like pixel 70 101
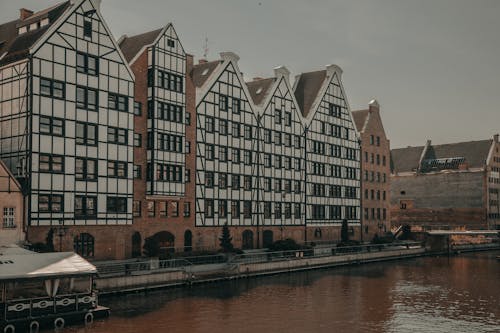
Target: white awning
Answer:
pixel 23 264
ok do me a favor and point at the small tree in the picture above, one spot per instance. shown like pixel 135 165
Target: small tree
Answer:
pixel 225 239
pixel 344 232
pixel 151 247
pixel 406 232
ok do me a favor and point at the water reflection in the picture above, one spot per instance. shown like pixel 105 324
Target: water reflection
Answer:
pixel 458 294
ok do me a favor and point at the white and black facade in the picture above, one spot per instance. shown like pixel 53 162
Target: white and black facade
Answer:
pixel 67 119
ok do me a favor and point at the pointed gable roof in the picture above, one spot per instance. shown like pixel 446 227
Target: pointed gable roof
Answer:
pixel 14 47
pixel 201 72
pixel 360 117
pixel 130 46
pixel 307 88
pixel 259 89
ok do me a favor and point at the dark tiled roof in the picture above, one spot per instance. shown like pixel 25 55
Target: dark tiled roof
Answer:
pixel 474 152
pixel 360 118
pixel 307 88
pixel 202 72
pixel 130 46
pixel 405 159
pixel 17 46
pixel 259 88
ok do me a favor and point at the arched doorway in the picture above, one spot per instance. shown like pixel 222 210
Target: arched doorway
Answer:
pixel 247 242
pixel 83 244
pixel 136 245
pixel 267 238
pixel 188 241
pixel 166 242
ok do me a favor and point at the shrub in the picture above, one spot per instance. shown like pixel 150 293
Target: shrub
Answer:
pixel 226 240
pixel 151 247
pixel 285 245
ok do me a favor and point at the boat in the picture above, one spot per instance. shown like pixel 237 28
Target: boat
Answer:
pixel 46 290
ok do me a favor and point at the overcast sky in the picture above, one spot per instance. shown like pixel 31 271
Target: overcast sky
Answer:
pixel 433 65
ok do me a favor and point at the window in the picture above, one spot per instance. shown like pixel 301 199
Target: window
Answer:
pixel 378 140
pixel 277 161
pixel 163 208
pixel 117 135
pixel 267 210
pixel 86 98
pixel 335 212
pixel 351 212
pixel 9 220
pixel 288 118
pixel 116 204
pixel 188 147
pixel 222 180
pixel 383 160
pixel 267 184
pixel 267 136
pixel 137 108
pixel 53 126
pixel 297 141
pixel 236 105
pixel 235 155
pixel 51 163
pixel 288 186
pixel 170 42
pixel 235 209
pixel 209 208
pixel 85 206
pixel 137 171
pixel 136 208
pixel 209 152
pixel 151 208
pixel 137 139
pixel 117 169
pixel 247 157
pixel 372 139
pixel 222 208
pixel 223 154
pixel 296 186
pixel 402 205
pixel 50 203
pixel 83 244
pixel 236 132
pixel 277 210
pixel 235 182
pixel 171 81
pixel 187 176
pixel 277 138
pixel 247 183
pixel 52 88
pixel 169 172
pixel 222 127
pixel 168 112
pixel 288 210
pixel 86 134
pixel 209 179
pixel 210 124
pixel 86 63
pixel 117 102
pixel 277 185
pixel 85 169
pixel 87 28
pixel 335 110
pixel 296 210
pixel 247 132
pixel 170 142
pixel 267 160
pixel 223 102
pixel 247 209
pixel 288 139
pixel 187 209
pixel 277 117
pixel 188 118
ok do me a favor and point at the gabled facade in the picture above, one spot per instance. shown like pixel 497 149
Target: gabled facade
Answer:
pixel 332 153
pixel 67 120
pixel 163 139
pixel 375 171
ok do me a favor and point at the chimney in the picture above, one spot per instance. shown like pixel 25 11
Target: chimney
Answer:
pixel 202 61
pixel 495 138
pixel 25 13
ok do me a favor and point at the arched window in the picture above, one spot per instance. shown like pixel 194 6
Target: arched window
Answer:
pixel 136 244
pixel 83 244
pixel 247 240
pixel 188 241
pixel 267 238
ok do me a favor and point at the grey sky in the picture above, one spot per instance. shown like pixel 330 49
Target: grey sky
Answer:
pixel 433 65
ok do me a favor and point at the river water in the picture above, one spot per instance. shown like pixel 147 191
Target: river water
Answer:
pixel 440 294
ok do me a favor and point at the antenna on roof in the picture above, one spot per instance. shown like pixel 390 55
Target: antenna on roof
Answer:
pixel 205 48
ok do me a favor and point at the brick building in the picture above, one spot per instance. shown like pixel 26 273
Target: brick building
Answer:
pixel 11 208
pixel 375 171
pixel 446 186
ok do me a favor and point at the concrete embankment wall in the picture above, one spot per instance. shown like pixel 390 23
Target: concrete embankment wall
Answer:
pixel 274 267
pixel 158 279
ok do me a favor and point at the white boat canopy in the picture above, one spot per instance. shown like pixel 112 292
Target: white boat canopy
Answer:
pixel 17 263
